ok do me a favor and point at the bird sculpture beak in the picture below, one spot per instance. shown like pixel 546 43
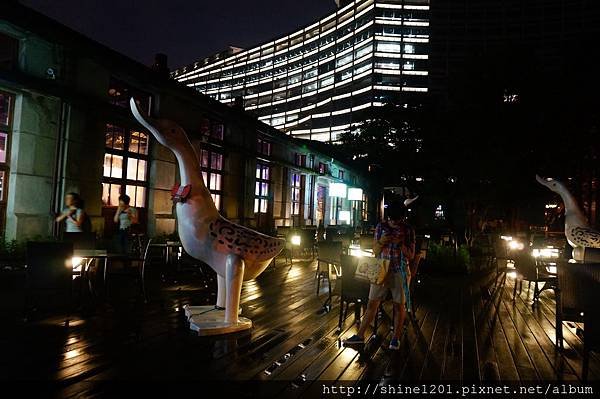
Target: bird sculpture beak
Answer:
pixel 146 121
pixel 409 201
pixel 542 181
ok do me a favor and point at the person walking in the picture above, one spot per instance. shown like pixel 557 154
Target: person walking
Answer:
pixel 125 216
pixel 394 241
pixel 73 215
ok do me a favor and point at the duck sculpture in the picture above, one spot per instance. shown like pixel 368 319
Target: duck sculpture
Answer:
pixel 236 253
pixel 580 235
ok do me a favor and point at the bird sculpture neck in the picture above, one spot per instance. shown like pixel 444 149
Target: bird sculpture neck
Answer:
pixel 189 172
pixel 573 214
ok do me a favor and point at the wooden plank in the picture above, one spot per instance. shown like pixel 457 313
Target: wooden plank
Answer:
pixel 521 358
pixel 562 369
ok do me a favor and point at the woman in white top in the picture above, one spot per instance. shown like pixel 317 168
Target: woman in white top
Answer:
pixel 73 214
pixel 125 216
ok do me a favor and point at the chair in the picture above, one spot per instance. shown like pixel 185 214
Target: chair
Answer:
pixel 332 234
pixel 309 241
pixel 366 241
pixel 133 267
pixel 500 256
pixel 527 268
pixel 136 242
pixel 329 252
pixel 49 270
pixel 576 300
pixel 283 231
pixel 352 290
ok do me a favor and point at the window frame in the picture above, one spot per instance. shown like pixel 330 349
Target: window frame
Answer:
pixel 259 180
pixel 5 166
pixel 127 155
pixel 297 187
pixel 263 146
pixel 210 171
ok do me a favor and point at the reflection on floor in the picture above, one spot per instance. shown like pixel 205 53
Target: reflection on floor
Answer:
pixel 467 329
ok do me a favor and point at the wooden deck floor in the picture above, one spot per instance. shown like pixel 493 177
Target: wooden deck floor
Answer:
pixel 467 330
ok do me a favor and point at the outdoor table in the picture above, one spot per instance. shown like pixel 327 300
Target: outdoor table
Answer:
pixel 91 254
pixel 167 247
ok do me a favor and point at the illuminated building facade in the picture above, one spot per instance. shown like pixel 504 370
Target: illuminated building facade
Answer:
pixel 315 82
pixel 59 134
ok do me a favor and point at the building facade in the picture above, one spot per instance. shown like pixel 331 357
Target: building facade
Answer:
pixel 315 82
pixel 65 126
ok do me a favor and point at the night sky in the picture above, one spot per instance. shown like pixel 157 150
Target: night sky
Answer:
pixel 185 30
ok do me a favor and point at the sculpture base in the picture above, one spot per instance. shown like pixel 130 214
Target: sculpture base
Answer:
pixel 190 311
pixel 211 321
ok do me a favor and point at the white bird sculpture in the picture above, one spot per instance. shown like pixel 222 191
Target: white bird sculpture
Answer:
pixel 579 233
pixel 409 201
pixel 235 252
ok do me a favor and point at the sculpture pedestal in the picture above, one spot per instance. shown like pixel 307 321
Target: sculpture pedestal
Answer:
pixel 208 320
pixel 190 311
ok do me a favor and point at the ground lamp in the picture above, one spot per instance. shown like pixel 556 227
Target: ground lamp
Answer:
pixel 295 240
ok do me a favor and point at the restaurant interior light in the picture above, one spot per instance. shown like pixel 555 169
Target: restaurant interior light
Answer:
pixel 515 245
pixel 344 216
pixel 355 194
pixel 337 190
pixel 548 252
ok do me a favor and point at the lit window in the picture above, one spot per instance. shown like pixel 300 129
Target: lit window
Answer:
pixel 388 47
pixel 297 186
pixel 6 120
pixel 278 121
pixel 261 190
pixel 364 50
pixel 344 60
pixel 125 166
pixel 211 164
pixel 326 81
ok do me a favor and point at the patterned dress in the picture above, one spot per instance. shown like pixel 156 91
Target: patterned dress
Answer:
pixel 401 234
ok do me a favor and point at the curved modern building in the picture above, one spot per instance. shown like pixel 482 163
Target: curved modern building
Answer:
pixel 315 82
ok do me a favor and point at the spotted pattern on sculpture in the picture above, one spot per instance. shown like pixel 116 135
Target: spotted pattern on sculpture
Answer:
pixel 585 237
pixel 244 242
